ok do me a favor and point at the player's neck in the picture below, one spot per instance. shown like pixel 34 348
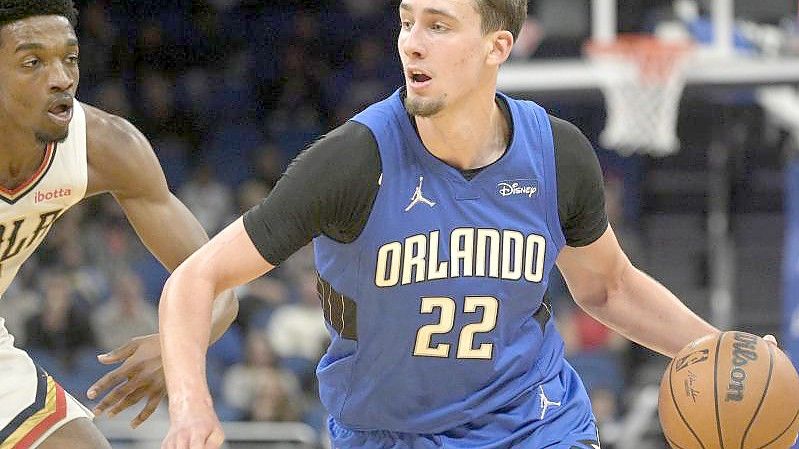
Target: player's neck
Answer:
pixel 20 155
pixel 469 135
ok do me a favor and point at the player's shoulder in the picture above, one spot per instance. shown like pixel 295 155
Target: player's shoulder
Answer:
pixel 348 150
pixel 347 140
pixel 117 152
pixel 106 131
pixel 564 127
pixel 561 129
pixel 352 131
pixel 568 138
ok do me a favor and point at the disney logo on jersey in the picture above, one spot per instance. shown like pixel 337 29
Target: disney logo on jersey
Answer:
pixel 47 195
pixel 528 187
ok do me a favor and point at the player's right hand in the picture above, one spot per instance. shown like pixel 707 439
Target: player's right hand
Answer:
pixel 139 376
pixel 195 429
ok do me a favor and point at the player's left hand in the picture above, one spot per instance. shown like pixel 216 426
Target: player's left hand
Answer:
pixel 141 375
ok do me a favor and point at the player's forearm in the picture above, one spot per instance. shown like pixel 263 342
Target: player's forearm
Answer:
pixel 150 216
pixel 643 310
pixel 225 309
pixel 185 327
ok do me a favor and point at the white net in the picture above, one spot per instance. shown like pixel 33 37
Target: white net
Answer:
pixel 642 79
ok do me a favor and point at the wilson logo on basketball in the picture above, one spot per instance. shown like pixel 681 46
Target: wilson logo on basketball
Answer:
pixel 48 195
pixel 744 350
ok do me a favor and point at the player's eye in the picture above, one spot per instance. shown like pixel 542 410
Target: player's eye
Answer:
pixel 438 27
pixel 72 59
pixel 406 25
pixel 31 63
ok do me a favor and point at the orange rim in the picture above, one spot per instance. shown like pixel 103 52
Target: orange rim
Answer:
pixel 655 58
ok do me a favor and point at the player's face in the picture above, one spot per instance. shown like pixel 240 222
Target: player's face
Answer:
pixel 38 75
pixel 443 52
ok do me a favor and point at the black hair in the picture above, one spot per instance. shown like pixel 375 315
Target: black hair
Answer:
pixel 13 10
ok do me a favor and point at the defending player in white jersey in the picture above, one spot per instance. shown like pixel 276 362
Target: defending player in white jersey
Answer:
pixel 53 153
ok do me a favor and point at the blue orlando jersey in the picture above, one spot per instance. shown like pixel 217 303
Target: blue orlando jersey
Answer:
pixel 432 309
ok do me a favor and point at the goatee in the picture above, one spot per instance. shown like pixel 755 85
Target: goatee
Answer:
pixel 419 107
pixel 46 139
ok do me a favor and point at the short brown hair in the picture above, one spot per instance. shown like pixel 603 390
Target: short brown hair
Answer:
pixel 502 15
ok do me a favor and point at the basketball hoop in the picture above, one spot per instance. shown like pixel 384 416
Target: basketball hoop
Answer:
pixel 642 78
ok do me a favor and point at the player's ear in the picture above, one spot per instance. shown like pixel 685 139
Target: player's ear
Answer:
pixel 501 43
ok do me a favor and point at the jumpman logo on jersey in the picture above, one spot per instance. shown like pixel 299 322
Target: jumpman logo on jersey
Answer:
pixel 545 402
pixel 418 197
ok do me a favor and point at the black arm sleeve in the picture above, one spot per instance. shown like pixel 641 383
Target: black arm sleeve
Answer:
pixel 581 194
pixel 328 189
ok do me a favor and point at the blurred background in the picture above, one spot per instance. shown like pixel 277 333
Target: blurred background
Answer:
pixel 228 92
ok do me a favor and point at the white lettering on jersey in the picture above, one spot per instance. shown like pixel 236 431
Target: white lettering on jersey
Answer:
pixel 480 252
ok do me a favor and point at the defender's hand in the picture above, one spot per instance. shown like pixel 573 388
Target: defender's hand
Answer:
pixel 771 339
pixel 200 429
pixel 141 375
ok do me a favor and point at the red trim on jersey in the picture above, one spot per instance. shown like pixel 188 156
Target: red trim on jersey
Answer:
pixel 35 176
pixel 59 414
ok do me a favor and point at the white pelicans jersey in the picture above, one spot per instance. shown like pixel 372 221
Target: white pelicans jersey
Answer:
pixel 28 211
pixel 32 404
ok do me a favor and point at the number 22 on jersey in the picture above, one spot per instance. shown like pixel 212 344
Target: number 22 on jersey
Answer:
pixel 465 345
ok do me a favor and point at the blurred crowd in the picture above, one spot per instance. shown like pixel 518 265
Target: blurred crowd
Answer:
pixel 228 92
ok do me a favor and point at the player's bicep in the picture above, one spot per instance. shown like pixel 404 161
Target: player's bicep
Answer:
pixel 123 163
pixel 594 270
pixel 581 201
pixel 229 259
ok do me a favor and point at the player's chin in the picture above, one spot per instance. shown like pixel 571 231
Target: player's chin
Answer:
pixel 423 107
pixel 52 134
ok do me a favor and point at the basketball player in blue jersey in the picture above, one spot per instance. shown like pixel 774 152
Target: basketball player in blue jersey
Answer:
pixel 54 152
pixel 437 216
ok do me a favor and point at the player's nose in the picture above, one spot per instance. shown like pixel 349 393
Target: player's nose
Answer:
pixel 61 78
pixel 412 43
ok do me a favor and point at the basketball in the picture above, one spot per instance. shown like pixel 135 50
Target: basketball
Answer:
pixel 729 390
